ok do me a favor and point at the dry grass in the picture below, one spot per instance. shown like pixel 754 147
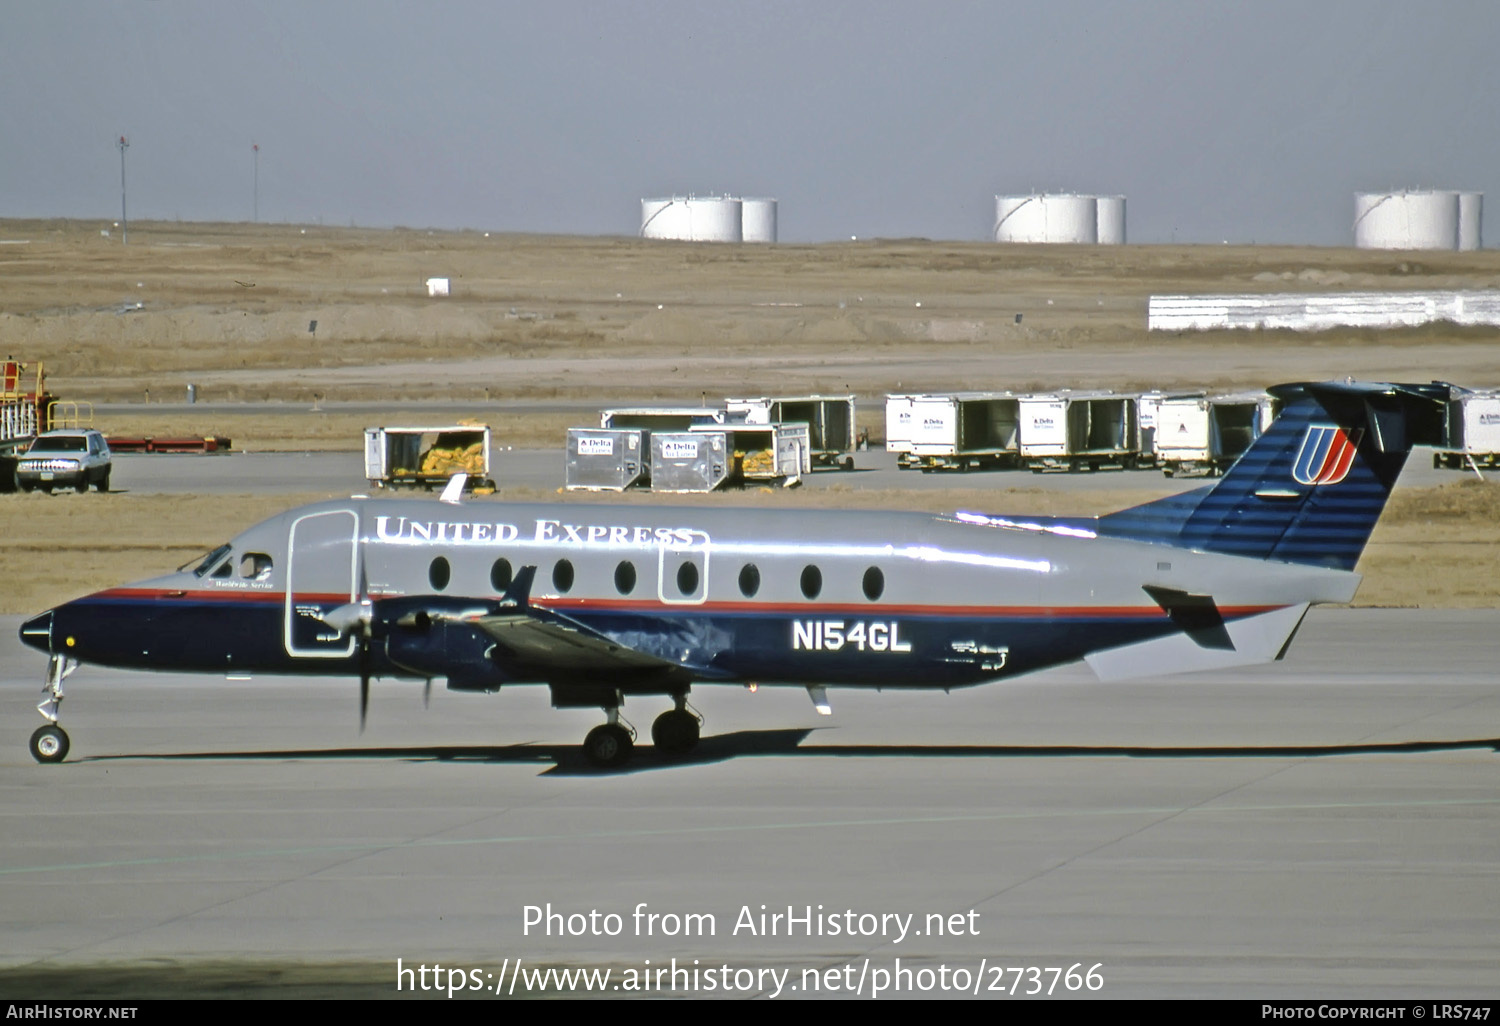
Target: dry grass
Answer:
pixel 227 307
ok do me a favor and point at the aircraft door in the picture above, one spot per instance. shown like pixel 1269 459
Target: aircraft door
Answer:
pixel 682 571
pixel 322 574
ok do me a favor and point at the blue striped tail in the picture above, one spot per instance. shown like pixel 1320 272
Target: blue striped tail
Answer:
pixel 1312 487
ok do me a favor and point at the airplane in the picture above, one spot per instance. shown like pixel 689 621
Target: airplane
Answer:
pixel 602 602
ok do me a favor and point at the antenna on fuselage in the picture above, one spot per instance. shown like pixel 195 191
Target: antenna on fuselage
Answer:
pixel 453 494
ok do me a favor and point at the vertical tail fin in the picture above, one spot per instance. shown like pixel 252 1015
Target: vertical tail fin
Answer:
pixel 1311 488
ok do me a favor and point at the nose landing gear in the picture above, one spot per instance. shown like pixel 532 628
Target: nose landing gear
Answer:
pixel 49 742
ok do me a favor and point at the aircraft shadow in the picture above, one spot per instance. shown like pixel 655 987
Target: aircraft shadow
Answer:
pixel 568 760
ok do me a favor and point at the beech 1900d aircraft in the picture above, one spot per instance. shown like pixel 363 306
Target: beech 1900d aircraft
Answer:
pixel 603 602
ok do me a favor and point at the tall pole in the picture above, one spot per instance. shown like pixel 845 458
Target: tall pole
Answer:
pixel 255 208
pixel 124 221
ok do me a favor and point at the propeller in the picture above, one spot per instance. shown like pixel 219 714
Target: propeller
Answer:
pixel 354 619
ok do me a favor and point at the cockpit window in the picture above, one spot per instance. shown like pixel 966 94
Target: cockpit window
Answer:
pixel 204 565
pixel 255 566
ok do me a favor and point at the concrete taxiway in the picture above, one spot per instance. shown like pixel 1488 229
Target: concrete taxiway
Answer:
pixel 1323 827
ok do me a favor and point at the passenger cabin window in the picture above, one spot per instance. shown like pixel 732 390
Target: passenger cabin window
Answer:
pixel 749 580
pixel 439 573
pixel 812 581
pixel 687 578
pixel 501 575
pixel 625 577
pixel 562 576
pixel 874 583
pixel 255 566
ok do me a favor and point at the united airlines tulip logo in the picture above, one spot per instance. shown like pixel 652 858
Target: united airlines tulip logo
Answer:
pixel 1326 455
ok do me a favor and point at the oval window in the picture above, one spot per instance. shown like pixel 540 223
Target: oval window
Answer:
pixel 874 583
pixel 501 575
pixel 625 577
pixel 749 580
pixel 439 574
pixel 687 578
pixel 812 581
pixel 562 576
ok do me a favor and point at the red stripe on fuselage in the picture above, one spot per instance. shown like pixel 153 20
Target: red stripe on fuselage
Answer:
pixel 656 607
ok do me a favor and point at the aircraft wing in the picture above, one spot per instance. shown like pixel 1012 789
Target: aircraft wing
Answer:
pixel 426 634
pixel 544 638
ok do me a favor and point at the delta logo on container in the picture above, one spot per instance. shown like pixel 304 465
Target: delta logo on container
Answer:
pixel 1326 455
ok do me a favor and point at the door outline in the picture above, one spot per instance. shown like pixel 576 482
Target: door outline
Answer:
pixel 290 608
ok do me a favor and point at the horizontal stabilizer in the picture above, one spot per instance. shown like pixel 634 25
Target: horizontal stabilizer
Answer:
pixel 1255 639
pixel 1197 616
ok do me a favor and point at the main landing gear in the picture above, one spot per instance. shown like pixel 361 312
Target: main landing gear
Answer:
pixel 674 732
pixel 610 744
pixel 49 742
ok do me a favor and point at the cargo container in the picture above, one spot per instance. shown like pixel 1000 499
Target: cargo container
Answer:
pixel 1473 431
pixel 766 452
pixel 426 457
pixel 689 461
pixel 829 419
pixel 898 428
pixel 1078 431
pixel 1147 407
pixel 1198 434
pixel 953 431
pixel 600 460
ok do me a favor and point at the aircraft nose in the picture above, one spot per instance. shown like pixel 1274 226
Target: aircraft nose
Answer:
pixel 37 632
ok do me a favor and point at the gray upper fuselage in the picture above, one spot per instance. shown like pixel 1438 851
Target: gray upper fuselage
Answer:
pixel 924 560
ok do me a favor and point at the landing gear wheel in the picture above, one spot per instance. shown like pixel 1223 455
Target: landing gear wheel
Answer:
pixel 49 743
pixel 675 732
pixel 608 745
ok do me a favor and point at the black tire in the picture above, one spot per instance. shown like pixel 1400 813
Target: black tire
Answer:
pixel 103 483
pixel 608 746
pixel 46 488
pixel 675 732
pixel 49 743
pixel 848 462
pixel 24 486
pixel 82 484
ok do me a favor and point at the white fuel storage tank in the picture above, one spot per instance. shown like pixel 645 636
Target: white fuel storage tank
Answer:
pixel 693 219
pixel 758 219
pixel 1061 217
pixel 1470 212
pixel 1427 219
pixel 1111 220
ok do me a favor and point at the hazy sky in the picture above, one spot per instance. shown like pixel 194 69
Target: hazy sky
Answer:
pixel 1253 121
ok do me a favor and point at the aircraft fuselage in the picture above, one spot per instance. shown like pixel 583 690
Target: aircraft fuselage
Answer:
pixel 786 596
